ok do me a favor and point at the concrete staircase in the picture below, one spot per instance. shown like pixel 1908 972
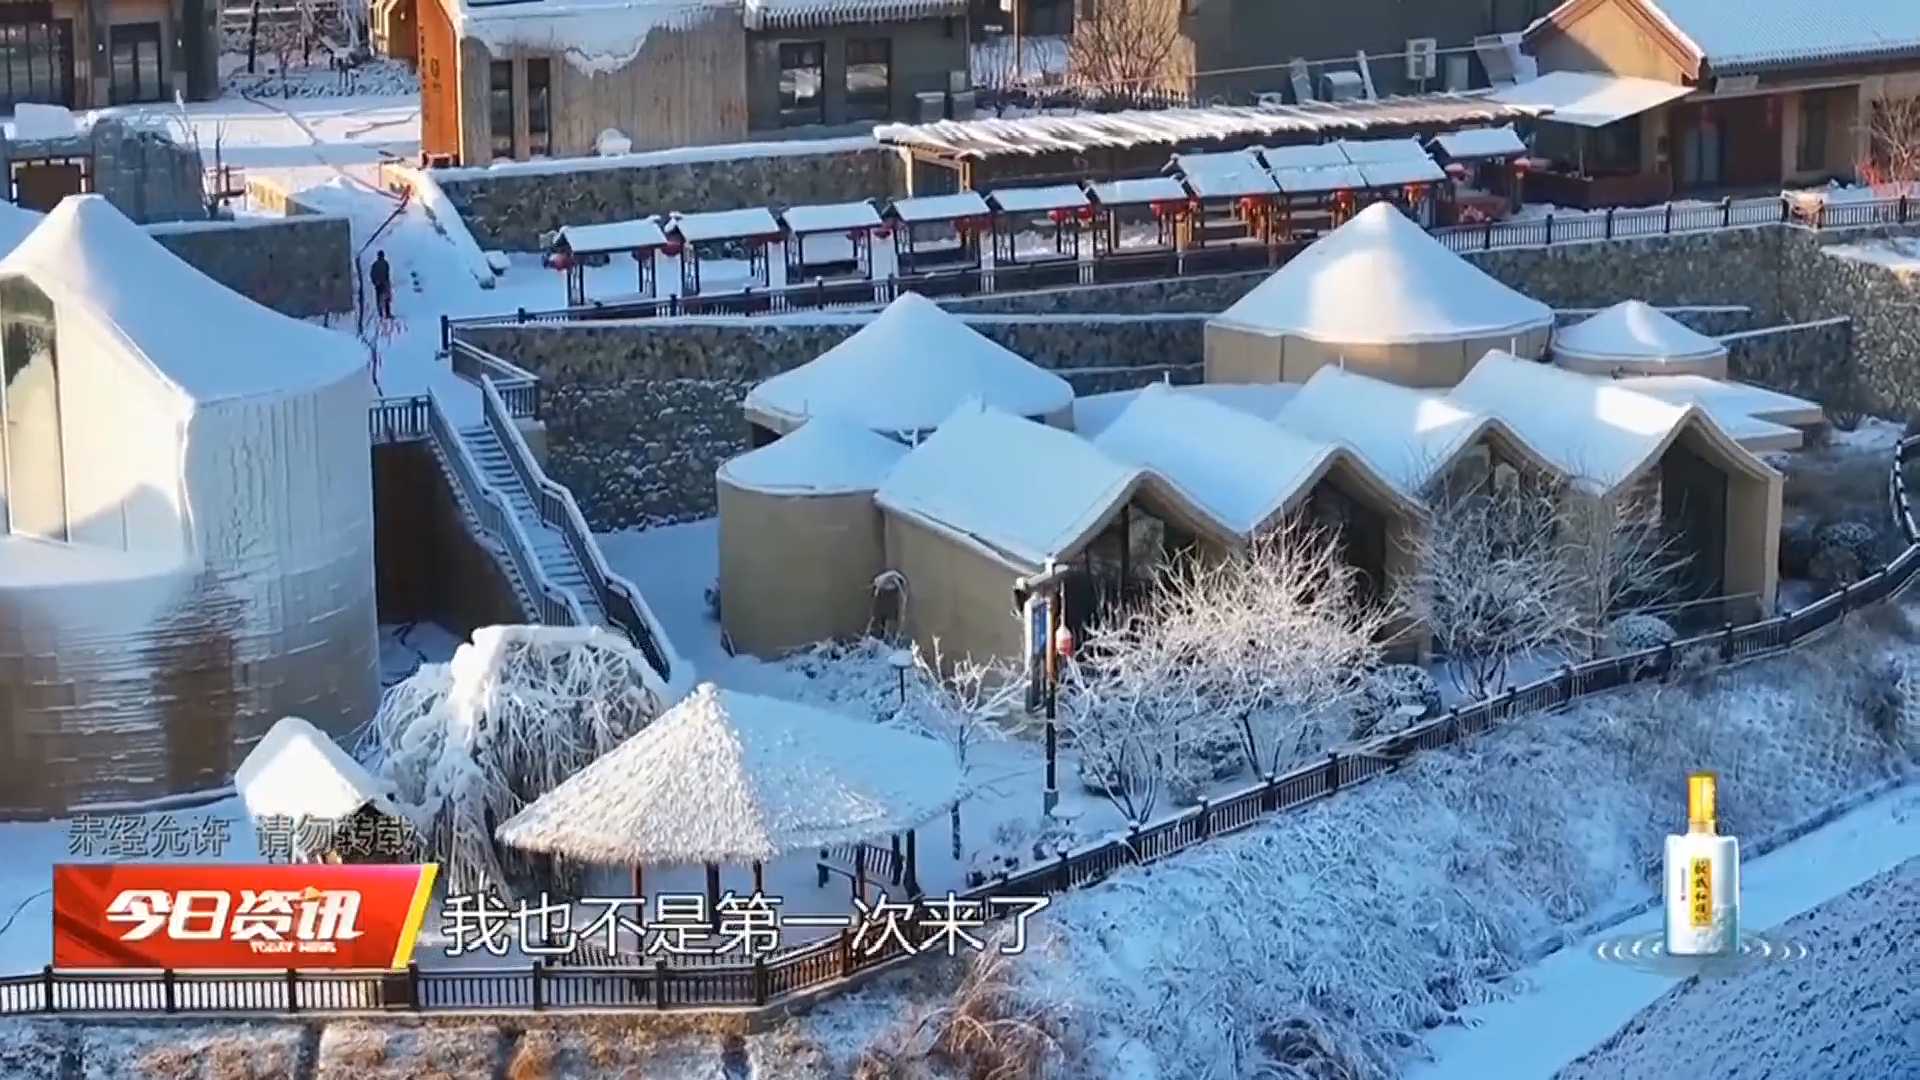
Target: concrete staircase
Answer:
pixel 557 560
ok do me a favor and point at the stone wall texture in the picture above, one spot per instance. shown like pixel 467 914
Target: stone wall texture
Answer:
pixel 300 266
pixel 1811 360
pixel 639 415
pixel 509 208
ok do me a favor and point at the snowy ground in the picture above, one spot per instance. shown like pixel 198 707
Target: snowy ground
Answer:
pixel 376 76
pixel 1897 253
pixel 1857 1019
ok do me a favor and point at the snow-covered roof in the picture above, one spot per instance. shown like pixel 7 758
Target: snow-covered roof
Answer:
pixel 824 456
pixel 1759 34
pixel 1225 175
pixel 1405 435
pixel 16 223
pixel 1381 279
pixel 1482 142
pixel 297 770
pixel 1018 491
pixel 1724 399
pixel 1373 151
pixel 1592 429
pixel 207 340
pixel 831 217
pixel 1092 413
pixel 613 236
pixel 1308 156
pixel 727 777
pixel 1634 330
pixel 1079 132
pixel 1590 99
pixel 938 207
pixel 1150 189
pixel 798 14
pixel 1388 174
pixel 1319 179
pixel 594 36
pixel 1236 469
pixel 906 371
pixel 724 224
pixel 1038 199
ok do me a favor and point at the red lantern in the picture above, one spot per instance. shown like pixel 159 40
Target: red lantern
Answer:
pixel 674 245
pixel 1414 191
pixel 1063 643
pixel 855 234
pixel 1456 170
pixel 1520 166
pixel 1159 209
pixel 1248 204
pixel 561 260
pixel 962 225
pixel 1086 213
pixel 1057 216
pixel 1343 198
pixel 882 232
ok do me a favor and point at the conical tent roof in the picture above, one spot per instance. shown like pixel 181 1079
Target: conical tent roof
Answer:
pixel 1635 331
pixel 1380 279
pixel 825 456
pixel 202 337
pixel 726 777
pixel 907 370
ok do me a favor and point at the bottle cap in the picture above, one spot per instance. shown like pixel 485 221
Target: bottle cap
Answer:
pixel 1700 800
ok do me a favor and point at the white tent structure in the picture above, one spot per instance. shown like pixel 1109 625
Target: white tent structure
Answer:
pixel 800 538
pixel 905 372
pixel 188 504
pixel 727 777
pixel 1378 296
pixel 1409 437
pixel 1092 413
pixel 297 771
pixel 1635 338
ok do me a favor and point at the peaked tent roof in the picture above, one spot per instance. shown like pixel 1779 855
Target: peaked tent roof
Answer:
pixel 731 777
pixel 824 456
pixel 296 769
pixel 1635 330
pixel 908 370
pixel 1238 470
pixel 1755 35
pixel 1405 435
pixel 1592 429
pixel 1018 491
pixel 197 334
pixel 1092 413
pixel 1380 279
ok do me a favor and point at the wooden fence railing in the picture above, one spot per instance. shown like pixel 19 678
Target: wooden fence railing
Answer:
pixel 821 964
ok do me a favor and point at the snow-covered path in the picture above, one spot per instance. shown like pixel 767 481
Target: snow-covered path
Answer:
pixel 1573 1000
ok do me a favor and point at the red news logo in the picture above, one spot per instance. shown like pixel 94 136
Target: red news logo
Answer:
pixel 236 916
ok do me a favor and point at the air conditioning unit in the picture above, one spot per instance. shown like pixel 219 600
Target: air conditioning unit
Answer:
pixel 1342 86
pixel 1423 59
pixel 930 106
pixel 960 104
pixel 1270 99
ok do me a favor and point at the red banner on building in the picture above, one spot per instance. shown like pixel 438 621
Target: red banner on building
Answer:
pixel 233 915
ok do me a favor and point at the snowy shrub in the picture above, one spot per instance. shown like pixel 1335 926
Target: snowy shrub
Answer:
pixel 989 1026
pixel 1835 566
pixel 1857 537
pixel 1392 698
pixel 470 743
pixel 1632 633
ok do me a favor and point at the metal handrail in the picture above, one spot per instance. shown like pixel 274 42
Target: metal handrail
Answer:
pixel 558 509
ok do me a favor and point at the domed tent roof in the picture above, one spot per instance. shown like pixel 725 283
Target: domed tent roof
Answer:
pixel 200 336
pixel 1380 279
pixel 15 225
pixel 908 370
pixel 825 456
pixel 1636 335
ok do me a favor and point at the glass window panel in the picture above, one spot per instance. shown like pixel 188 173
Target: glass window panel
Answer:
pixel 500 107
pixel 539 106
pixel 869 79
pixel 802 80
pixel 36 471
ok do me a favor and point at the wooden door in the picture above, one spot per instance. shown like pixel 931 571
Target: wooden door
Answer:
pixel 439 81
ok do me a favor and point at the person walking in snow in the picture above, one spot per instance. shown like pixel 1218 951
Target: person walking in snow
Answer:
pixel 382 277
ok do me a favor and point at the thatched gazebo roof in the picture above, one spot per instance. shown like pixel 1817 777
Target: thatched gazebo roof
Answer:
pixel 726 777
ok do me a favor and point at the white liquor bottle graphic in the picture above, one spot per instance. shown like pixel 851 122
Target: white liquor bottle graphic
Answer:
pixel 1702 880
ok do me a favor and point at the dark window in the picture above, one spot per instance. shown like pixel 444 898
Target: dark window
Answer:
pixel 1614 148
pixel 1811 153
pixel 869 79
pixel 36 484
pixel 136 62
pixel 500 106
pixel 803 82
pixel 539 107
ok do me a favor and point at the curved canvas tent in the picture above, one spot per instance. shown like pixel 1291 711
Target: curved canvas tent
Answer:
pixel 188 493
pixel 906 372
pixel 800 537
pixel 1378 296
pixel 1635 338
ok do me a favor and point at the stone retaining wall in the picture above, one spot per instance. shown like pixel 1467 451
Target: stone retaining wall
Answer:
pixel 1814 361
pixel 300 266
pixel 640 414
pixel 509 206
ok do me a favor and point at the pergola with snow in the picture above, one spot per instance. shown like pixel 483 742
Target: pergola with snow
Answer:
pixel 939 232
pixel 188 514
pixel 801 541
pixel 833 241
pixel 721 234
pixel 577 247
pixel 1722 502
pixel 297 771
pixel 1378 296
pixel 726 778
pixel 1635 338
pixel 904 372
pixel 1160 199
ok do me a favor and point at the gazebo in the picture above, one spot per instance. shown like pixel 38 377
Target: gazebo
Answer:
pixel 727 777
pixel 297 771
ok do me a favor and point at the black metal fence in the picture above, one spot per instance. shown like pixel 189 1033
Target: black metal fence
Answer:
pixel 823 963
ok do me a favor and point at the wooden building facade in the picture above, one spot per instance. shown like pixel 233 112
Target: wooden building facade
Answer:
pixel 87 54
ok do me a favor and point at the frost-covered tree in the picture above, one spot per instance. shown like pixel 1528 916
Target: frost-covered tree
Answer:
pixel 1122 51
pixel 964 706
pixel 1490 580
pixel 469 743
pixel 1892 165
pixel 1624 558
